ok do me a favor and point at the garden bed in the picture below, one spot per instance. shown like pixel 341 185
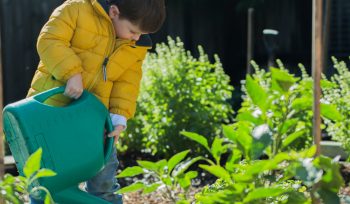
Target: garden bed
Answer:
pixel 159 196
pixel 153 198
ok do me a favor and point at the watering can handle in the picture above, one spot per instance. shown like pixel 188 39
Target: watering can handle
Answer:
pixel 109 145
pixel 42 97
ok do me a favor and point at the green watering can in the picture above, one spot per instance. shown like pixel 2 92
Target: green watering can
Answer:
pixel 71 137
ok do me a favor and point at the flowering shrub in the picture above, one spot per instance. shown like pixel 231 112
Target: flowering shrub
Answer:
pixel 339 95
pixel 178 92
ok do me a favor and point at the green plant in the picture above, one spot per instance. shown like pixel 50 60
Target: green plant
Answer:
pixel 339 95
pixel 287 177
pixel 170 174
pixel 178 92
pixel 274 123
pixel 275 120
pixel 15 190
pixel 283 103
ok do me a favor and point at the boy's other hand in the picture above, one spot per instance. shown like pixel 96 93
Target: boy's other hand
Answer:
pixel 116 132
pixel 74 87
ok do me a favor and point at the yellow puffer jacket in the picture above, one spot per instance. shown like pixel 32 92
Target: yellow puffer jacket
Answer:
pixel 79 38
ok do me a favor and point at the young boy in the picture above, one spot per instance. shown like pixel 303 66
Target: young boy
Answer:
pixel 99 46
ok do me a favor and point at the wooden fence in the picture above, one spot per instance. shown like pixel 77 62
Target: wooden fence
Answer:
pixel 217 25
pixel 21 22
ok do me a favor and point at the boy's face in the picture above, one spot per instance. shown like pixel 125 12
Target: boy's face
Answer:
pixel 123 28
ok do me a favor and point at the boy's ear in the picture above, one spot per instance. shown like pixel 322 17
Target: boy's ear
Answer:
pixel 113 11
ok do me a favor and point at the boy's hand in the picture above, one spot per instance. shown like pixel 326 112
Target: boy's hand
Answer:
pixel 116 132
pixel 74 87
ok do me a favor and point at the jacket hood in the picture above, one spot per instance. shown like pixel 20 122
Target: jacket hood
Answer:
pixel 101 7
pixel 104 5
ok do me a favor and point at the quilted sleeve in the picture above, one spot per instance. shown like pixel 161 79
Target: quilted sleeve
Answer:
pixel 54 42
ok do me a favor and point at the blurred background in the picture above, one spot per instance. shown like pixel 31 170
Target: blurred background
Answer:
pixel 221 27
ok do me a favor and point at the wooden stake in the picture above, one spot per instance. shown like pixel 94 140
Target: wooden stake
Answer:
pixel 317 65
pixel 326 29
pixel 250 41
pixel 2 163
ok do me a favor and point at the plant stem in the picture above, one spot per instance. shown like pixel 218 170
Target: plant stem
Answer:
pixel 279 135
pixel 170 194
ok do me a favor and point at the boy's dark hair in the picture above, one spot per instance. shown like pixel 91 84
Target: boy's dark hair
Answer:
pixel 149 15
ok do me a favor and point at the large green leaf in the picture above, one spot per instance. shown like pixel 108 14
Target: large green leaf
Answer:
pixel 282 80
pixel 130 171
pixel 33 163
pixel 304 103
pixel 275 161
pixel 148 165
pixel 45 173
pixel 198 138
pixel 174 160
pixel 132 188
pixel 167 180
pixel 292 137
pixel 327 84
pixel 233 159
pixel 248 116
pixel 229 132
pixel 256 93
pixel 308 153
pixel 329 196
pixel 330 112
pixel 288 124
pixel 295 197
pixel 161 164
pixel 150 188
pixel 191 174
pixel 217 149
pixel 307 172
pixel 332 179
pixel 219 197
pixel 260 193
pixel 217 171
pixel 257 167
pixel 245 140
pixel 262 138
pixel 183 166
pixel 185 179
pixel 241 137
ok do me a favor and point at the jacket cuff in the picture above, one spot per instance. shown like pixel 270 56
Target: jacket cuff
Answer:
pixel 118 120
pixel 72 73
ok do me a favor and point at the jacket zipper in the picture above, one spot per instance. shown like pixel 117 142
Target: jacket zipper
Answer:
pixel 104 69
pixel 104 65
pixel 105 61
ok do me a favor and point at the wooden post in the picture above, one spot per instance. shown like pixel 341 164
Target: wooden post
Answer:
pixel 317 64
pixel 250 39
pixel 326 29
pixel 2 163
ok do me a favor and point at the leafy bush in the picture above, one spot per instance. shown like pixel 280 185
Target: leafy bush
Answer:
pixel 284 103
pixel 15 190
pixel 287 177
pixel 339 95
pixel 170 175
pixel 178 92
